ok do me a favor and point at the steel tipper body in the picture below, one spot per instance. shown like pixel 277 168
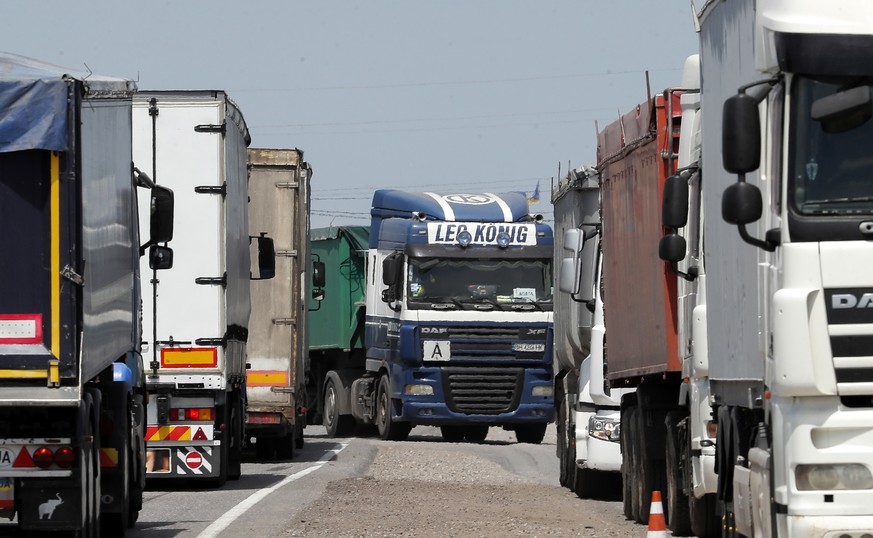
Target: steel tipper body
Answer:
pixel 278 342
pixel 786 106
pixel 587 409
pixel 196 315
pixel 71 381
pixel 634 157
pixel 457 319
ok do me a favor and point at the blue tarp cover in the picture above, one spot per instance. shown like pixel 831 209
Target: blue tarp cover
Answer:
pixel 33 101
pixel 33 106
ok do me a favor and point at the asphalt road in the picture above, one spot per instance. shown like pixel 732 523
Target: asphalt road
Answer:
pixel 328 489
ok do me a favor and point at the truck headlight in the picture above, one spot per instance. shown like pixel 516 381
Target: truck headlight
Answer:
pixel 605 429
pixel 418 390
pixel 826 477
pixel 543 390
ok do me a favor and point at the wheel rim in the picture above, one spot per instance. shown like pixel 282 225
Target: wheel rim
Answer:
pixel 383 411
pixel 329 405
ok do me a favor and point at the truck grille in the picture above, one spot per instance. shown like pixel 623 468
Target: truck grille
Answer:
pixel 491 342
pixel 483 391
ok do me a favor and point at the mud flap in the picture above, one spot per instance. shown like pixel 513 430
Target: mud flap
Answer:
pixel 50 504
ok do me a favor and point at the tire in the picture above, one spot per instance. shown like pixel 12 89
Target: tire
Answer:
pixel 265 448
pixel 117 523
pixel 475 433
pixel 563 446
pixel 678 518
pixel 336 425
pixel 388 429
pixel 298 429
pixel 705 522
pixel 452 434
pixel 585 483
pixel 285 446
pixel 90 458
pixel 531 434
pixel 628 462
pixel 237 429
pixel 644 472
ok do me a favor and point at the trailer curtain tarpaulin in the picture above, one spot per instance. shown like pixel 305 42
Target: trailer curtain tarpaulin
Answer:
pixel 33 106
pixel 34 100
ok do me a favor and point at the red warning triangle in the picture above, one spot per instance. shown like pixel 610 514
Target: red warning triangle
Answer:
pixel 23 459
pixel 199 436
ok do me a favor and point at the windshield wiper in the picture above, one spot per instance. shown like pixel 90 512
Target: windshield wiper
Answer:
pixel 488 300
pixel 840 200
pixel 528 301
pixel 448 301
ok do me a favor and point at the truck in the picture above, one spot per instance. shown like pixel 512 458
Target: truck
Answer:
pixel 72 386
pixel 196 316
pixel 785 109
pixel 439 313
pixel 587 409
pixel 635 156
pixel 278 341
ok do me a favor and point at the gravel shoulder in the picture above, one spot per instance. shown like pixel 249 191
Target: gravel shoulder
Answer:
pixel 429 488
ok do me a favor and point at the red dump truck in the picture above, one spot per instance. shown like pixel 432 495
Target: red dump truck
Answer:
pixel 634 157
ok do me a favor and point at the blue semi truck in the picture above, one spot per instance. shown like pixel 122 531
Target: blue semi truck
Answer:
pixel 439 313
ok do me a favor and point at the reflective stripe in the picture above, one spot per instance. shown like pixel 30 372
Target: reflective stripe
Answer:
pixel 507 213
pixel 447 209
pixel 56 253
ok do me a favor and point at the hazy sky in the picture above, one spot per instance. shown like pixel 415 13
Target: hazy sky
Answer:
pixel 453 96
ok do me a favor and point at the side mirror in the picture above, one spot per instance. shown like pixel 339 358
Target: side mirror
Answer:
pixel 161 218
pixel 671 248
pixel 318 274
pixel 674 208
pixel 391 267
pixel 318 295
pixel 741 134
pixel 569 280
pixel 573 240
pixel 741 203
pixel 266 258
pixel 160 257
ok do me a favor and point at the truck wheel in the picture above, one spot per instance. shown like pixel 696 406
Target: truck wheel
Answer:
pixel 298 428
pixel 531 434
pixel 563 445
pixel 117 523
pixel 585 484
pixel 475 433
pixel 388 429
pixel 336 425
pixel 705 522
pixel 285 446
pixel 452 434
pixel 237 427
pixel 678 520
pixel 628 463
pixel 265 448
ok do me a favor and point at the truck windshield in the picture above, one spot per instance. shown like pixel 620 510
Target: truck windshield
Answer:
pixel 435 283
pixel 831 159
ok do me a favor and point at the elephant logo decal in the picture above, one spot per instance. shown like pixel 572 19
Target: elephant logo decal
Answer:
pixel 47 509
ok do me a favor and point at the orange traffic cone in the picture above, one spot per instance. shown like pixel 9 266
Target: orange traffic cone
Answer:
pixel 657 525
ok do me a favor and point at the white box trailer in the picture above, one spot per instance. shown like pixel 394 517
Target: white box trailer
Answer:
pixel 196 315
pixel 278 340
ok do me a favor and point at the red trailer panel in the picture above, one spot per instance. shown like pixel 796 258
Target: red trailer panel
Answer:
pixel 634 156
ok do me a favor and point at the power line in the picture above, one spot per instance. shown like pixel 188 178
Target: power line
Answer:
pixel 460 82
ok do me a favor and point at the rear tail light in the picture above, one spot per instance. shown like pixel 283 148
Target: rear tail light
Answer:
pixel 43 457
pixel 191 413
pixel 64 457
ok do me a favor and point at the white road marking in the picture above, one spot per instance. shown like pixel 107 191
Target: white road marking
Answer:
pixel 224 521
